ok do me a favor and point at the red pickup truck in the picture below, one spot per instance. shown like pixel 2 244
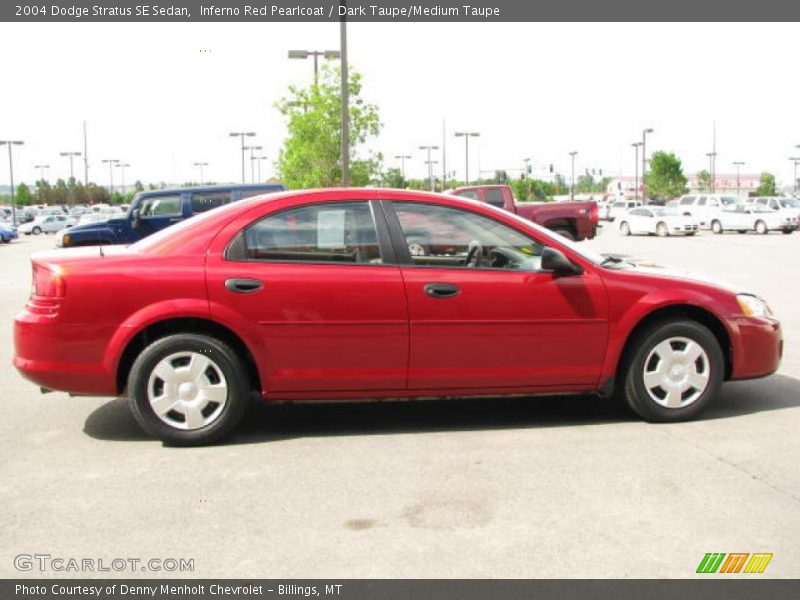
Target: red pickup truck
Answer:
pixel 573 220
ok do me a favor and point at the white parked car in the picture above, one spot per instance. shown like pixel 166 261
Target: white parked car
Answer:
pixel 621 207
pixel 789 206
pixel 703 206
pixel 44 224
pixel 749 217
pixel 657 221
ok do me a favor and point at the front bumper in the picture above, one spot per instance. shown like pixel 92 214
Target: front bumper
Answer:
pixel 757 347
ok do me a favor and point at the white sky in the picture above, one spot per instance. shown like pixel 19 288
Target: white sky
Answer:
pixel 153 99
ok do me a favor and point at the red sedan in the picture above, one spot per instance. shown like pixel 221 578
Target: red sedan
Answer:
pixel 315 295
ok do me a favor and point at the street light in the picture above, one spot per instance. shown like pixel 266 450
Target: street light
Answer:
pixel 259 159
pixel 738 164
pixel 111 162
pixel 11 175
pixel 466 135
pixel 403 158
pixel 636 171
pixel 527 168
pixel 201 165
pixel 712 168
pixel 242 135
pixel 252 158
pixel 572 185
pixel 41 168
pixel 644 163
pixel 122 167
pixel 429 163
pixel 71 156
pixel 304 54
pixel 795 159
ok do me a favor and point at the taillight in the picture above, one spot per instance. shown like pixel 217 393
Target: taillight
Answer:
pixel 594 215
pixel 48 282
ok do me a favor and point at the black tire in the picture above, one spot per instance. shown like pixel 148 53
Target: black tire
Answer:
pixel 761 227
pixel 565 233
pixel 624 228
pixel 787 231
pixel 742 231
pixel 228 362
pixel 36 230
pixel 716 227
pixel 632 373
pixel 661 229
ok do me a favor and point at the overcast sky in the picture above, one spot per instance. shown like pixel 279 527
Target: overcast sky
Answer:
pixel 162 96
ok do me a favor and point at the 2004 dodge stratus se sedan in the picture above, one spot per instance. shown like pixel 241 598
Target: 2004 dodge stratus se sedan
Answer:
pixel 316 295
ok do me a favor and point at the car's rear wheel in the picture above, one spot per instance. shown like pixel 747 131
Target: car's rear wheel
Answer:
pixel 716 226
pixel 761 227
pixel 188 389
pixel 674 370
pixel 36 230
pixel 662 230
pixel 624 228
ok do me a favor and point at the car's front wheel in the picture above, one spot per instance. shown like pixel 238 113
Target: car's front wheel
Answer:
pixel 662 230
pixel 761 228
pixel 188 389
pixel 716 226
pixel 674 370
pixel 624 228
pixel 36 230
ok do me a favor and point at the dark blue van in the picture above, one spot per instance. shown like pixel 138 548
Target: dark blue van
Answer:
pixel 152 211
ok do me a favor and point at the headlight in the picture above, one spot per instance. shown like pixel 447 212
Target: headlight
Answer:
pixel 753 306
pixel 65 239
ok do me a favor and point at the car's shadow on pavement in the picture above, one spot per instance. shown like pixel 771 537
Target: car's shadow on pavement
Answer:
pixel 113 420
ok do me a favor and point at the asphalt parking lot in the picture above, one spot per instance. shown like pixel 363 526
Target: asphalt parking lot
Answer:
pixel 547 487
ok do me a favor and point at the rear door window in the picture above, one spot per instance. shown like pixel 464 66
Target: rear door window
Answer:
pixel 161 206
pixel 203 201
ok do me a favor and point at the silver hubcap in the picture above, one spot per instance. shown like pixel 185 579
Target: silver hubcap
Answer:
pixel 662 229
pixel 676 372
pixel 187 390
pixel 416 249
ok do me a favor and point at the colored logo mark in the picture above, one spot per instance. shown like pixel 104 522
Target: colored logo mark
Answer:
pixel 734 562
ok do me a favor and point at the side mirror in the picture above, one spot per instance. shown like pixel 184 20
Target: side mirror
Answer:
pixel 136 218
pixel 555 261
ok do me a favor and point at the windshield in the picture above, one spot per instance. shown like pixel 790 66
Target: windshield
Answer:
pixel 582 251
pixel 789 202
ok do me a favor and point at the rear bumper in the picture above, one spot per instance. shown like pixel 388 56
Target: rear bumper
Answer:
pixel 757 348
pixel 61 356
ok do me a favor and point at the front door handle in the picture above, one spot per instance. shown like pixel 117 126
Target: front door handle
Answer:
pixel 243 286
pixel 442 290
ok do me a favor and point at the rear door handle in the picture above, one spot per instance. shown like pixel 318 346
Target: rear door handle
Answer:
pixel 441 290
pixel 243 286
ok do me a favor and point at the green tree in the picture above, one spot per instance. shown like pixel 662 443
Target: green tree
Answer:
pixel 585 184
pixel 393 178
pixel 311 154
pixel 665 179
pixel 766 186
pixel 23 195
pixel 704 181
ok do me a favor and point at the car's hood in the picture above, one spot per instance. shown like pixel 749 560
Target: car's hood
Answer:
pixel 97 225
pixel 648 268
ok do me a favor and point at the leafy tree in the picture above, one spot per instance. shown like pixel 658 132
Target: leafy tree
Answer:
pixel 23 195
pixel 393 178
pixel 704 180
pixel 665 179
pixel 311 154
pixel 585 184
pixel 766 186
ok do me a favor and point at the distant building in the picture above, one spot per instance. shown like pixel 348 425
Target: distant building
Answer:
pixel 724 183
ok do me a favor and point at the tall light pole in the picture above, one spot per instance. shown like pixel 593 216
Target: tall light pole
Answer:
pixel 429 163
pixel 712 167
pixel 122 167
pixel 252 158
pixel 11 175
pixel 644 163
pixel 572 185
pixel 345 97
pixel 242 135
pixel 259 159
pixel 636 171
pixel 71 166
pixel 111 162
pixel 41 167
pixel 403 158
pixel 738 164
pixel 466 135
pixel 526 169
pixel 795 159
pixel 201 165
pixel 304 54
